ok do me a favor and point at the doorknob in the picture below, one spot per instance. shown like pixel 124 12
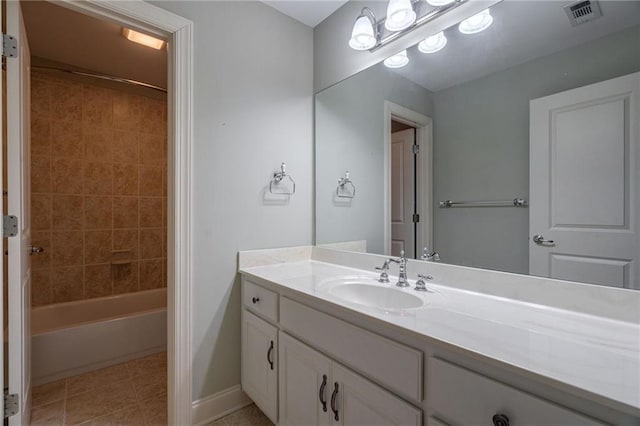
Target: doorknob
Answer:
pixel 35 250
pixel 539 239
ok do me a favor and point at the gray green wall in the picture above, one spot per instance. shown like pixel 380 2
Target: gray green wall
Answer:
pixel 350 136
pixel 253 109
pixel 481 147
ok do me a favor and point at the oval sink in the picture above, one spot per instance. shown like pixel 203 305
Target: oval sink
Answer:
pixel 377 296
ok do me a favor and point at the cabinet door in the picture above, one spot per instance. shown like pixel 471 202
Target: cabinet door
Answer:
pixel 356 401
pixel 260 363
pixel 304 384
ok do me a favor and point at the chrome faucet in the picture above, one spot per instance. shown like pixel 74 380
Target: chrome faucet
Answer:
pixel 426 256
pixel 402 270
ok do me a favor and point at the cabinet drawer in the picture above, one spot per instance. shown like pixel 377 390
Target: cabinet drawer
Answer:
pixel 458 396
pixel 389 363
pixel 260 300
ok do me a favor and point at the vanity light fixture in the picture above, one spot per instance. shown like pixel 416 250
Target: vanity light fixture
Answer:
pixel 433 44
pixel 403 16
pixel 398 60
pixel 140 38
pixel 400 15
pixel 363 36
pixel 476 23
pixel 439 3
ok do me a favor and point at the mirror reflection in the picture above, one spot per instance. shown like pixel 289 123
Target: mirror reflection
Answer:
pixel 514 148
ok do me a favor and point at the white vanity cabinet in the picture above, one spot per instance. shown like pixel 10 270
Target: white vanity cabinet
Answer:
pixel 260 363
pixel 304 365
pixel 314 390
pixel 458 396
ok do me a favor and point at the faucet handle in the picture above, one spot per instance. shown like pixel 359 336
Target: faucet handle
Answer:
pixel 420 284
pixel 384 276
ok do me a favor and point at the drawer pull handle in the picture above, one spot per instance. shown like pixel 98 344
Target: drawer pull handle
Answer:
pixel 269 352
pixel 321 395
pixel 255 300
pixel 334 395
pixel 500 420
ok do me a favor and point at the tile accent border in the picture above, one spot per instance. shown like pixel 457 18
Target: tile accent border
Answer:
pixel 218 405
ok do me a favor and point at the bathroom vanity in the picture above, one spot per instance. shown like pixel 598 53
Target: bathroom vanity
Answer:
pixel 323 342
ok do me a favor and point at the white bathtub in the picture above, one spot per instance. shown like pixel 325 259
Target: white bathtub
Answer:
pixel 76 337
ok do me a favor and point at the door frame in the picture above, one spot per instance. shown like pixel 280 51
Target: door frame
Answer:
pixel 151 19
pixel 424 139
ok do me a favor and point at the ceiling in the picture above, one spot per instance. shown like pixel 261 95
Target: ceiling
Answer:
pixel 62 35
pixel 522 30
pixel 309 12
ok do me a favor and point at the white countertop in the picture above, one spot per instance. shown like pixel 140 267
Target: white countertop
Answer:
pixel 598 355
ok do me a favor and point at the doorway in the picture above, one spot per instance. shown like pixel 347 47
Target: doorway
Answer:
pixel 177 30
pixel 408 194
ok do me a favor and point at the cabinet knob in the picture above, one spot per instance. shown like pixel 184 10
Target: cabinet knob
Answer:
pixel 255 300
pixel 500 420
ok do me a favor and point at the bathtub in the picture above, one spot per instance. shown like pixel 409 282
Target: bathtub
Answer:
pixel 75 337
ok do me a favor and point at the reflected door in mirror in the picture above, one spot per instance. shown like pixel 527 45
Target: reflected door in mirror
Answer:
pixel 403 232
pixel 584 184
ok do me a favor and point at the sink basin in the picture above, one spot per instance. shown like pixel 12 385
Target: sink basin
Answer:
pixel 368 293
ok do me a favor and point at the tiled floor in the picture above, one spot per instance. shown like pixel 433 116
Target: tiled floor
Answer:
pixel 133 393
pixel 248 416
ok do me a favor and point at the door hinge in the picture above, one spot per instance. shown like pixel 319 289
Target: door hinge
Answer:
pixel 9 46
pixel 11 404
pixel 9 226
pixel 416 218
pixel 416 149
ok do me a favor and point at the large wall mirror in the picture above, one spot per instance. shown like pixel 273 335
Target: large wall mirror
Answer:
pixel 514 149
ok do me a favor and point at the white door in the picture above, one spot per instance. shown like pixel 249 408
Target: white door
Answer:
pixel 585 184
pixel 402 193
pixel 259 363
pixel 356 401
pixel 18 184
pixel 304 384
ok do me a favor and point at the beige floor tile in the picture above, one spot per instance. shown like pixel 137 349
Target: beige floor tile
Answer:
pixel 49 392
pixel 154 411
pixel 130 416
pixel 48 414
pixel 99 402
pixel 148 365
pixel 250 415
pixel 95 379
pixel 150 386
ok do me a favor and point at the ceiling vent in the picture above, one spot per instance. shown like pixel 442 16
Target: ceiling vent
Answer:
pixel 582 11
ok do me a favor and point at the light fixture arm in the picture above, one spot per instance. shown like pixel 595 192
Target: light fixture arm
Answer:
pixel 368 13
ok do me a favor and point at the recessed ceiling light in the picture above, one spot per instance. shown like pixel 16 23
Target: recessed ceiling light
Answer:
pixel 143 39
pixel 433 44
pixel 439 3
pixel 476 23
pixel 400 15
pixel 398 60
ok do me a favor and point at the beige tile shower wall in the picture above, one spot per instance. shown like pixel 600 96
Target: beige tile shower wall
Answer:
pixel 98 187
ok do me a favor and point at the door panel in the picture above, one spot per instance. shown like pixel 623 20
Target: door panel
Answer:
pixel 585 184
pixel 304 378
pixel 18 187
pixel 402 193
pixel 360 402
pixel 588 177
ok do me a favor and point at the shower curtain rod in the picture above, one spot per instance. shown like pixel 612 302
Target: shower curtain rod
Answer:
pixel 103 77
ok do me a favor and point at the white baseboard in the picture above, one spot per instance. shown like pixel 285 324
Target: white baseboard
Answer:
pixel 219 404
